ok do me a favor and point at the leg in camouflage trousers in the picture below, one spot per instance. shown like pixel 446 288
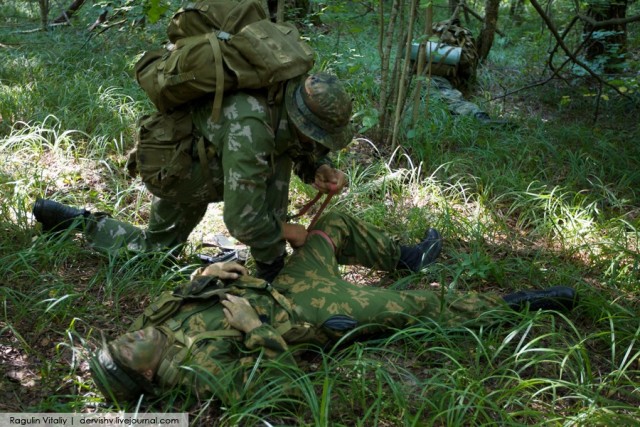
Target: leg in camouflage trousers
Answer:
pixel 172 217
pixel 453 98
pixel 170 224
pixel 312 280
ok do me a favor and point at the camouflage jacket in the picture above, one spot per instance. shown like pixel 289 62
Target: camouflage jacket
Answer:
pixel 204 353
pixel 256 162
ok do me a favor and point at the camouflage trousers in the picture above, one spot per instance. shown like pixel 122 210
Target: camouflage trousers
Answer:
pixel 173 218
pixel 442 89
pixel 170 224
pixel 312 281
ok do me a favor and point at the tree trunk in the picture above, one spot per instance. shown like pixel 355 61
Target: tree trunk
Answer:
pixel 280 12
pixel 611 46
pixel 296 10
pixel 67 14
pixel 485 40
pixel 44 13
pixel 516 9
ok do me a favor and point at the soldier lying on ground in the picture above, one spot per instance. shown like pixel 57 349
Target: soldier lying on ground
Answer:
pixel 205 335
pixel 448 77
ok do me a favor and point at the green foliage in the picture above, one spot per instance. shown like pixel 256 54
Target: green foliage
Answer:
pixel 550 201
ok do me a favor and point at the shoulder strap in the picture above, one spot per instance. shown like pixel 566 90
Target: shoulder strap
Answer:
pixel 170 301
pixel 217 56
pixel 274 101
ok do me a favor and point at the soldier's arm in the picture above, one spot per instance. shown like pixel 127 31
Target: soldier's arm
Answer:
pixel 242 316
pixel 246 161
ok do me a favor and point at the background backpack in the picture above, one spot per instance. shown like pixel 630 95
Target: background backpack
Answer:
pixel 452 33
pixel 219 46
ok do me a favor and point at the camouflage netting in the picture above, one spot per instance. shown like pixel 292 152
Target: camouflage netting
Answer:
pixel 451 33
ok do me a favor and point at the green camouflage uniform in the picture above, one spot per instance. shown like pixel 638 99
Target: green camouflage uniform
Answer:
pixel 443 90
pixel 445 86
pixel 308 303
pixel 249 167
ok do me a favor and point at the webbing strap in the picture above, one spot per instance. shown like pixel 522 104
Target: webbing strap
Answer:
pixel 204 163
pixel 307 206
pixel 324 204
pixel 167 374
pixel 217 59
pixel 280 299
pixel 211 335
pixel 312 202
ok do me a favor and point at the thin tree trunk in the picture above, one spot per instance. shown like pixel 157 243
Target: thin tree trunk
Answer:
pixel 404 71
pixel 485 40
pixel 280 11
pixel 516 9
pixel 44 13
pixel 67 14
pixel 385 43
pixel 611 46
pixel 452 5
pixel 421 64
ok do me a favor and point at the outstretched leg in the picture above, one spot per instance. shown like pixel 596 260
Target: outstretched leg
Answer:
pixel 170 224
pixel 358 243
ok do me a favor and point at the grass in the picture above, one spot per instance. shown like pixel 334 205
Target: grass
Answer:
pixel 553 201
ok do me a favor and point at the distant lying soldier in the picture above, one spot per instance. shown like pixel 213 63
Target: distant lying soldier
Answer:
pixel 451 69
pixel 205 335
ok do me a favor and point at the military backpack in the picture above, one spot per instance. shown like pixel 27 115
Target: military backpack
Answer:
pixel 217 46
pixel 452 33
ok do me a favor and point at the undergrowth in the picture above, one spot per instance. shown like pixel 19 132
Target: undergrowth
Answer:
pixel 550 201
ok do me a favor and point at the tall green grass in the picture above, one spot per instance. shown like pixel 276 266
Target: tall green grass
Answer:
pixel 553 201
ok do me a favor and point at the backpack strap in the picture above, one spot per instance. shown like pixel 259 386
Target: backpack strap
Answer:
pixel 160 309
pixel 204 161
pixel 217 56
pixel 248 282
pixel 274 101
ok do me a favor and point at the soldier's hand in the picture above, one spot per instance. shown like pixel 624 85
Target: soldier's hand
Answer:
pixel 240 314
pixel 225 270
pixel 295 234
pixel 329 180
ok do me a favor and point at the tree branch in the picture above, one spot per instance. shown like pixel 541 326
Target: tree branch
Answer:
pixel 620 21
pixel 564 47
pixel 477 15
pixel 572 57
pixel 67 14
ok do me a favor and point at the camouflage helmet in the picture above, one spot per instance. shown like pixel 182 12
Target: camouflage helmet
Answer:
pixel 111 379
pixel 320 109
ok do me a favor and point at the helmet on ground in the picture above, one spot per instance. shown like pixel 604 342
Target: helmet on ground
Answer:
pixel 320 109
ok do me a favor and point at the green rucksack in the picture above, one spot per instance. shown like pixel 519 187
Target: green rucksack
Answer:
pixel 452 33
pixel 217 46
pixel 164 150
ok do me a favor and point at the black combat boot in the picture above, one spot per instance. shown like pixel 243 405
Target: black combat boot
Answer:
pixel 485 119
pixel 560 298
pixel 57 217
pixel 268 272
pixel 417 257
